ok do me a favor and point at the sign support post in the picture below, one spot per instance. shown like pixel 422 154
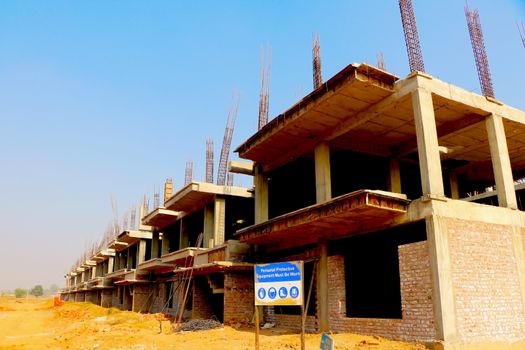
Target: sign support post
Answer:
pixel 257 325
pixel 279 284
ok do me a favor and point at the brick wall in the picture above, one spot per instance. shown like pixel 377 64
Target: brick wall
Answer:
pixel 92 297
pixel 290 321
pixel 202 308
pixel 80 296
pixel 127 298
pixel 157 302
pixel 106 296
pixel 238 297
pixel 417 323
pixel 142 297
pixel 485 279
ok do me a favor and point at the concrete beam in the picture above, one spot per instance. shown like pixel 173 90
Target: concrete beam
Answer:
pixel 445 129
pixel 501 162
pixel 240 167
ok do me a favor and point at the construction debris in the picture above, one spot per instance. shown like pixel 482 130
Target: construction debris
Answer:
pixel 199 325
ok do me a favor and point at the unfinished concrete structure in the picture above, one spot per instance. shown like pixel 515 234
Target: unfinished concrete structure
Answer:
pixel 369 179
pixel 88 281
pixel 131 248
pixel 193 250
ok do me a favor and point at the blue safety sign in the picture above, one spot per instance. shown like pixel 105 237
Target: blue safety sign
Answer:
pixel 279 283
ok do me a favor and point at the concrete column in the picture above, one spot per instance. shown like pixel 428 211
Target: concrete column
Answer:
pixel 395 176
pixel 122 260
pixel 260 181
pixel 93 272
pixel 323 184
pixel 454 189
pixel 129 260
pixel 442 291
pixel 501 162
pixel 209 225
pixel 219 220
pixel 154 245
pixel 141 251
pixel 322 285
pixel 110 264
pixel 183 242
pixel 165 248
pixel 427 143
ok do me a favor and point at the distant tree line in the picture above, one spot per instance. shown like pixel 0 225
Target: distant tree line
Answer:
pixel 36 291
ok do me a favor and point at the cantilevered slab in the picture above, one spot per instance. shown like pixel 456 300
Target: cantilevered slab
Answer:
pixel 99 283
pixel 194 195
pixel 318 115
pixel 119 274
pixel 241 167
pixel 104 254
pixel 161 218
pixel 117 245
pixel 133 277
pixel 345 215
pixel 218 266
pixel 363 109
pixel 89 263
pixel 155 265
pixel 133 236
pixel 181 257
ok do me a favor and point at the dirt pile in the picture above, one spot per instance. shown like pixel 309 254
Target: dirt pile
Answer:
pixel 37 324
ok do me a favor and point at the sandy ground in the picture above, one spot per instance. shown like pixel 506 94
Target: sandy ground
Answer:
pixel 37 324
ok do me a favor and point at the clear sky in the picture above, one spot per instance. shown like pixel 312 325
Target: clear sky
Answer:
pixel 106 99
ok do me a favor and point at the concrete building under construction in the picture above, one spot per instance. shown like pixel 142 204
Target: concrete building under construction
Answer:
pixel 404 198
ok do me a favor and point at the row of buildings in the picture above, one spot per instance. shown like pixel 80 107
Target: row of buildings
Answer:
pixel 402 197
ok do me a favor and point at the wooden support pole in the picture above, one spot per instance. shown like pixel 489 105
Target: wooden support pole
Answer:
pixel 501 162
pixel 323 185
pixel 257 327
pixel 304 308
pixel 427 143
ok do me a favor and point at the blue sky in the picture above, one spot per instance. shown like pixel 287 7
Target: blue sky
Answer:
pixel 106 99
